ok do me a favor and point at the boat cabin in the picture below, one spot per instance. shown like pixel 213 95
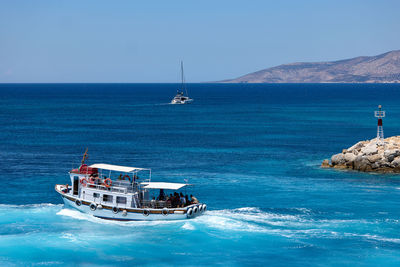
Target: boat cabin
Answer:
pixel 118 186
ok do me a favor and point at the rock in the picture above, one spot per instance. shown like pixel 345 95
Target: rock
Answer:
pixel 375 165
pixel 396 162
pixel 325 164
pixel 349 157
pixel 370 149
pixel 374 158
pixel 384 164
pixel 338 159
pixel 356 148
pixel 360 163
pixel 391 154
pixel 368 156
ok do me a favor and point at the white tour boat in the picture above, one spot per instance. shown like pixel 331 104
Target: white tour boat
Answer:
pixel 180 97
pixel 122 193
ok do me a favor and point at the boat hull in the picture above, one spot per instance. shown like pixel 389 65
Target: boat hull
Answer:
pixel 181 102
pixel 131 214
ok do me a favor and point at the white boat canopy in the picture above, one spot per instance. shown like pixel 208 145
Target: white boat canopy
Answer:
pixel 116 168
pixel 160 185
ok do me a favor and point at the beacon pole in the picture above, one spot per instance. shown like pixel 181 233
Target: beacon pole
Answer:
pixel 380 114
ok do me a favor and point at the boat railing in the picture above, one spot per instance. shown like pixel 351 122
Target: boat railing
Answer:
pixel 115 187
pixel 155 204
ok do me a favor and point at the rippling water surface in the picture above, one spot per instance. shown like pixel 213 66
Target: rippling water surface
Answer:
pixel 252 151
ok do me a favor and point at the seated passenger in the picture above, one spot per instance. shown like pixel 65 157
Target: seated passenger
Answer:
pixel 175 200
pixel 194 200
pixel 182 200
pixel 153 202
pixel 187 200
pixel 169 201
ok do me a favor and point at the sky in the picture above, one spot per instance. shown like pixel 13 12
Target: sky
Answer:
pixel 98 41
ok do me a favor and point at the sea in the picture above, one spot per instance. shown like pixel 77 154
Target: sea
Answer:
pixel 251 151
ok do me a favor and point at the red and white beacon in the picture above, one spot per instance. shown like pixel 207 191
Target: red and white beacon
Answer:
pixel 379 135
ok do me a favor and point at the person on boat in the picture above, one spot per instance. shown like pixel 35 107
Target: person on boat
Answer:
pixel 182 200
pixel 161 196
pixel 120 176
pixel 153 202
pixel 194 200
pixel 65 190
pixel 169 201
pixel 175 201
pixel 187 200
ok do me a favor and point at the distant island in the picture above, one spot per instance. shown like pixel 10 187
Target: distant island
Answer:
pixel 384 68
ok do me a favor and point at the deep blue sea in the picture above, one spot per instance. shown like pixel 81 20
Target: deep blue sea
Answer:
pixel 252 151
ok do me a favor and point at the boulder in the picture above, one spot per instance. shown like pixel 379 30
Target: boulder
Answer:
pixel 384 163
pixel 349 157
pixel 356 148
pixel 370 149
pixel 375 165
pixel 338 159
pixel 325 164
pixel 374 158
pixel 391 154
pixel 396 162
pixel 362 163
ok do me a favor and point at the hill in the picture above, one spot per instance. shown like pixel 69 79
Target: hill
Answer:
pixel 384 68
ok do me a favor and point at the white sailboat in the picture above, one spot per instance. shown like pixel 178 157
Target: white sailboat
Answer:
pixel 180 97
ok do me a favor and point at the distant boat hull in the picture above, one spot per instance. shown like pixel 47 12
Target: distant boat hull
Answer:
pixel 181 100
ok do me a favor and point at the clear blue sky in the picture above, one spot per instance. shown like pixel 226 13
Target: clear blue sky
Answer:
pixel 143 41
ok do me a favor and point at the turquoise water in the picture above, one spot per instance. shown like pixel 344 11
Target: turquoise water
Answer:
pixel 252 151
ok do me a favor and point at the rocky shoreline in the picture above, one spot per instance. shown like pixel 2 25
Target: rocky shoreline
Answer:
pixel 367 156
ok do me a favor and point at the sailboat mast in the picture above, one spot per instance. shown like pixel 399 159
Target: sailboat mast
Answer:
pixel 183 79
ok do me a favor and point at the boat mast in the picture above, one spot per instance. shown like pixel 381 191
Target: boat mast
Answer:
pixel 183 80
pixel 85 156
